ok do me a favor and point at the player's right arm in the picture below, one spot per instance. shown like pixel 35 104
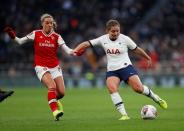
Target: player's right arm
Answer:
pixel 81 48
pixel 22 40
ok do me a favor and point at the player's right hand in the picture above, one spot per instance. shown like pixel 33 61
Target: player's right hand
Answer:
pixel 149 62
pixel 10 32
pixel 80 52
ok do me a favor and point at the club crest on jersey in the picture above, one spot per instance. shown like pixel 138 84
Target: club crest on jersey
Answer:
pixel 113 51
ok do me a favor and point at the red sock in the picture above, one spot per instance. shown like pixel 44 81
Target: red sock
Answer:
pixel 52 100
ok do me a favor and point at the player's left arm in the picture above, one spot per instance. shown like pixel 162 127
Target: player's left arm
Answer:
pixel 62 44
pixel 68 50
pixel 139 51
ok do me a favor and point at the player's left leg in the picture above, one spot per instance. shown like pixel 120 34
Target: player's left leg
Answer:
pixel 60 86
pixel 60 91
pixel 138 87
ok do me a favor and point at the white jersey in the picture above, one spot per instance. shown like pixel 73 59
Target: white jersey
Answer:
pixel 116 51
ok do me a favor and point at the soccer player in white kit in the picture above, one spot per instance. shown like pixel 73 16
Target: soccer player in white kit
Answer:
pixel 119 66
pixel 46 63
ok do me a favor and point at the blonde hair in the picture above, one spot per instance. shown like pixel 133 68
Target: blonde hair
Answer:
pixel 42 18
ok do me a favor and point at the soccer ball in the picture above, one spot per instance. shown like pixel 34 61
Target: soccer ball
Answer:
pixel 148 112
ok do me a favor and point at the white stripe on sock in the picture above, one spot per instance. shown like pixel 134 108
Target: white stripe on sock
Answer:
pixel 52 100
pixel 148 92
pixel 116 98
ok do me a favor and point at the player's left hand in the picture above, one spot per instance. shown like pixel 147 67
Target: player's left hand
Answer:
pixel 73 53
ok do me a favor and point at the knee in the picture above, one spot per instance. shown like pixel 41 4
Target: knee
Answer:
pixel 138 88
pixel 51 88
pixel 112 89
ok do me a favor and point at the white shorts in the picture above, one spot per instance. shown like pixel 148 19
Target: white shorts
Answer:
pixel 55 72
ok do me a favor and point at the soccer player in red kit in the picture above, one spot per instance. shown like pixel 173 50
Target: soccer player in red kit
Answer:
pixel 46 62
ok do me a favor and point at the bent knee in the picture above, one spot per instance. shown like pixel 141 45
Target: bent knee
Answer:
pixel 112 90
pixel 51 88
pixel 138 89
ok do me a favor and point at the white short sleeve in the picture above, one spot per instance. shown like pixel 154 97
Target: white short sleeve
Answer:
pixel 60 41
pixel 130 43
pixel 31 35
pixel 96 41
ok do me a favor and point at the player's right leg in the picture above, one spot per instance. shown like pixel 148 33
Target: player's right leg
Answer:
pixel 52 98
pixel 112 83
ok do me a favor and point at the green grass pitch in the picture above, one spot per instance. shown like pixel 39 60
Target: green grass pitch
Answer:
pixel 89 110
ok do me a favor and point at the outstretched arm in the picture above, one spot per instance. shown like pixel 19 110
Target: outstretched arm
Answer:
pixel 81 48
pixel 68 50
pixel 142 53
pixel 22 40
pixel 12 35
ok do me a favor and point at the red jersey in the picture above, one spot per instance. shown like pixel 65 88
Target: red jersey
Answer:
pixel 45 48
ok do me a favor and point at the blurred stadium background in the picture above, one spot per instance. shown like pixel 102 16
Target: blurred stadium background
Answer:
pixel 155 25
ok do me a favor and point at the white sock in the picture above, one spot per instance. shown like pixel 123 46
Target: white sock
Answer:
pixel 117 101
pixel 148 92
